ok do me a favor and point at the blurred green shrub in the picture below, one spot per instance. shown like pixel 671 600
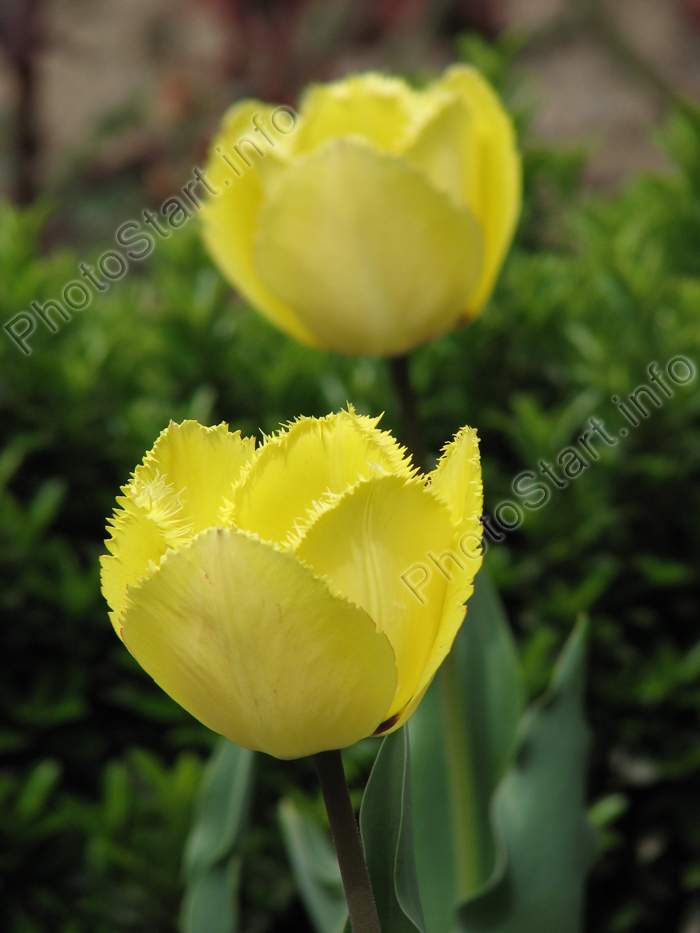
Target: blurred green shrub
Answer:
pixel 100 768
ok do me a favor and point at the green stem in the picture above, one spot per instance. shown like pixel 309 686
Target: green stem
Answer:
pixel 348 845
pixel 408 406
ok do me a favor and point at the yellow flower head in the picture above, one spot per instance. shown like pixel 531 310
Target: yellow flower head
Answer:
pixel 298 597
pixel 374 220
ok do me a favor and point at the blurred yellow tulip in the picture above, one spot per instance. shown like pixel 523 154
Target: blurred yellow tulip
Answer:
pixel 298 597
pixel 374 220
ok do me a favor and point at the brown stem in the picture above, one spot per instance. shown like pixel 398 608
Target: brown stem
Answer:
pixel 348 845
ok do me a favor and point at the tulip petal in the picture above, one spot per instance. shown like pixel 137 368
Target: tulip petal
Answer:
pixel 136 544
pixel 457 482
pixel 446 149
pixel 457 478
pixel 371 105
pixel 389 546
pixel 459 590
pixel 296 468
pixel 176 492
pixel 252 644
pixel 494 184
pixel 203 463
pixel 371 257
pixel 229 217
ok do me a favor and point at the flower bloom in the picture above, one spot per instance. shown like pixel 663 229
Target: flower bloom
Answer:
pixel 374 220
pixel 298 597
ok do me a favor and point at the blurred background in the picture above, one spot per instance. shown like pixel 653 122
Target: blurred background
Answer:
pixel 106 93
pixel 105 107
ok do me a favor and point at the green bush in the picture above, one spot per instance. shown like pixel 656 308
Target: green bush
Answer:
pixel 100 767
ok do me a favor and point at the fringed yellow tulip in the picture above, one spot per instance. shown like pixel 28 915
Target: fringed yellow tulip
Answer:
pixel 298 597
pixel 375 219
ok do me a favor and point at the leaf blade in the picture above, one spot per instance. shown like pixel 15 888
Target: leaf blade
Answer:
pixel 462 738
pixel 386 824
pixel 210 904
pixel 315 868
pixel 220 807
pixel 211 865
pixel 539 812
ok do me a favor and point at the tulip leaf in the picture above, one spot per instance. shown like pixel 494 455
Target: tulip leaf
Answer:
pixel 315 868
pixel 210 863
pixel 210 904
pixel 462 739
pixel 386 824
pixel 432 818
pixel 539 813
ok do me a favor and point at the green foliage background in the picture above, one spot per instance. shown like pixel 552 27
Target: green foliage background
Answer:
pixel 99 768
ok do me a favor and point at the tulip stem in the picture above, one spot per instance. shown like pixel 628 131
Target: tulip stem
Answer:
pixel 408 406
pixel 348 845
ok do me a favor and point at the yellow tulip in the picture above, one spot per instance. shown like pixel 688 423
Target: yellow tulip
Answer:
pixel 376 219
pixel 298 597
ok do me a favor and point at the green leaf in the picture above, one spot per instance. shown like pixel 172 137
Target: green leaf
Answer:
pixel 210 862
pixel 539 812
pixel 220 808
pixel 37 789
pixel 315 867
pixel 432 815
pixel 210 904
pixel 386 824
pixel 462 738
